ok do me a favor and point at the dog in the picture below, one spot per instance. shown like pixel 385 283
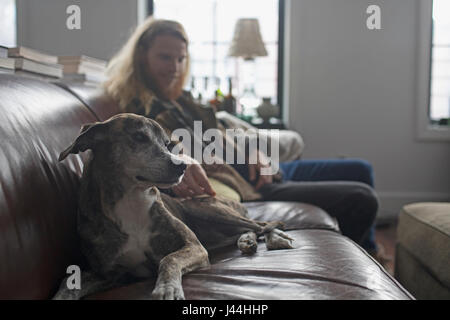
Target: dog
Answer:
pixel 130 230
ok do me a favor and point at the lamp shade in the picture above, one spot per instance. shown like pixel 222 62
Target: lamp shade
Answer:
pixel 247 41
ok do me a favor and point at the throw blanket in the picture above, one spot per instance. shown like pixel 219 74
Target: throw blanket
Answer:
pixel 290 142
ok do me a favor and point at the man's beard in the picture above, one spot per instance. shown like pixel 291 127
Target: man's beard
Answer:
pixel 171 92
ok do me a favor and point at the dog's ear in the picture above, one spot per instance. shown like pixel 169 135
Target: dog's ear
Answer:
pixel 90 134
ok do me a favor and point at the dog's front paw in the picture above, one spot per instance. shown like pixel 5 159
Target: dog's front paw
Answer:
pixel 247 243
pixel 168 291
pixel 277 239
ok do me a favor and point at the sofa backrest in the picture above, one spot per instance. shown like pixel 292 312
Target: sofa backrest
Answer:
pixel 38 194
pixel 94 98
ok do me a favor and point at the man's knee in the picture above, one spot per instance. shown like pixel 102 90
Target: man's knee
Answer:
pixel 363 213
pixel 364 170
pixel 368 200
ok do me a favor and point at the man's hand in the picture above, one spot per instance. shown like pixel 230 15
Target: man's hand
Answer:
pixel 195 181
pixel 254 171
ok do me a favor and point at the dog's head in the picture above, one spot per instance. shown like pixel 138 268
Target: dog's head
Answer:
pixel 135 145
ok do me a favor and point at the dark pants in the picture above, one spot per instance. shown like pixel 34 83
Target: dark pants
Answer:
pixel 343 188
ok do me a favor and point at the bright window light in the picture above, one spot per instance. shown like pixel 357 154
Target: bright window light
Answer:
pixel 210 27
pixel 440 71
pixel 8 23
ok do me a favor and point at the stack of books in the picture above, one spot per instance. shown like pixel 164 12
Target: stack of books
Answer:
pixel 3 52
pixel 30 62
pixel 83 69
pixel 6 65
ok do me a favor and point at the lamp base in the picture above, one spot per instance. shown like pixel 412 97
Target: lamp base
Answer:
pixel 249 103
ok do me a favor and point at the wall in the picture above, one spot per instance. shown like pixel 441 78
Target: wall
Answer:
pixel 105 26
pixel 350 90
pixel 352 93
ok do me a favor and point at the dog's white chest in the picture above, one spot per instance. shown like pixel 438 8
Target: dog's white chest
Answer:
pixel 132 215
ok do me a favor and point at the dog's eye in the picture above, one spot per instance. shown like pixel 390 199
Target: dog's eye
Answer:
pixel 139 137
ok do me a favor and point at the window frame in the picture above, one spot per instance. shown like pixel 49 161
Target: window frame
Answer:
pixel 15 27
pixel 280 58
pixel 426 131
pixel 281 47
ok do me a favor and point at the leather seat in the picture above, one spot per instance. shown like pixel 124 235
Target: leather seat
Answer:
pixel 322 265
pixel 38 195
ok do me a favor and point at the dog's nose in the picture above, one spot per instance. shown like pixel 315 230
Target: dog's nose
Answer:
pixel 180 167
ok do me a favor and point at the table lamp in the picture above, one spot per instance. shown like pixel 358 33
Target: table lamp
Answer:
pixel 247 43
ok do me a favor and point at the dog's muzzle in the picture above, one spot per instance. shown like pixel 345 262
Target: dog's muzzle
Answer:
pixel 175 174
pixel 179 168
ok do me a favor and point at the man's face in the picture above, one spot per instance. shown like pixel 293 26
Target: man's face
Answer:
pixel 166 63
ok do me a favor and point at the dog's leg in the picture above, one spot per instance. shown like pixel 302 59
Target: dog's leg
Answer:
pixel 219 211
pixel 248 243
pixel 277 239
pixel 171 269
pixel 222 214
pixel 173 266
pixel 90 283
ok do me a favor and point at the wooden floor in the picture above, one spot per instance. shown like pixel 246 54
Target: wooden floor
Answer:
pixel 386 235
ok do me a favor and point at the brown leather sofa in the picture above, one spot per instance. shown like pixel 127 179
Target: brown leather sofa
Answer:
pixel 38 205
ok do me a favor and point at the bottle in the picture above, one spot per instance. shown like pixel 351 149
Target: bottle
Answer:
pixel 194 92
pixel 208 92
pixel 249 102
pixel 200 90
pixel 216 102
pixel 229 102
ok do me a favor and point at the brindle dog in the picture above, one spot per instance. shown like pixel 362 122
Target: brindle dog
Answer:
pixel 127 227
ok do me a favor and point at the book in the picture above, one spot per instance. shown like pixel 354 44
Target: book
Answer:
pixel 22 64
pixel 3 52
pixel 32 54
pixel 7 63
pixel 82 68
pixel 52 70
pixel 33 75
pixel 6 70
pixel 84 77
pixel 81 59
pixel 82 64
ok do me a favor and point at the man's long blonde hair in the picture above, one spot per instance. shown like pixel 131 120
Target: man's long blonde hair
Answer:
pixel 126 71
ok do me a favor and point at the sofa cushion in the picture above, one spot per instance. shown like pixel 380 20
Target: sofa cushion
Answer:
pixel 38 195
pixel 322 265
pixel 295 215
pixel 424 231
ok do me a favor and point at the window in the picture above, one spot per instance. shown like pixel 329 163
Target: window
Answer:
pixel 440 71
pixel 8 23
pixel 433 70
pixel 210 27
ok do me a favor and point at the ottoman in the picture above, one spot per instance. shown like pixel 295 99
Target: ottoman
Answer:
pixel 422 262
